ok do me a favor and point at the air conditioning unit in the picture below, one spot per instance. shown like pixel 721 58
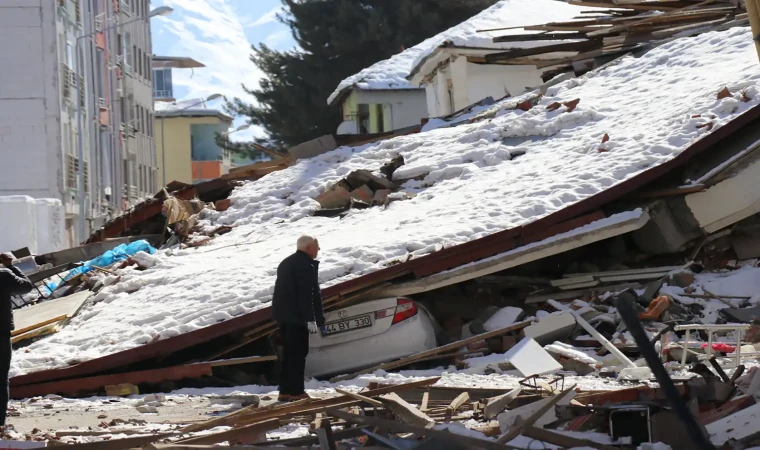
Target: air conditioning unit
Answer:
pixel 102 103
pixel 98 25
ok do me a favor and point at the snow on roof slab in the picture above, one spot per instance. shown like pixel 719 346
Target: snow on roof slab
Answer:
pixel 657 110
pixel 392 73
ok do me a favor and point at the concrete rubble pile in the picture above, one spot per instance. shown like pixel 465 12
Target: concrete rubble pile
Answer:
pixel 363 189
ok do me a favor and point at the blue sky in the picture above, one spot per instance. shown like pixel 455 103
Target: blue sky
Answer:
pixel 219 34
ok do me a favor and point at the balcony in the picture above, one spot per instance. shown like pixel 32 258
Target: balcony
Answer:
pixel 163 93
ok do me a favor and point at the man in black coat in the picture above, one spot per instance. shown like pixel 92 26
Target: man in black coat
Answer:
pixel 297 309
pixel 12 282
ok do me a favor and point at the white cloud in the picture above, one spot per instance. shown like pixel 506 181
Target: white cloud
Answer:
pixel 210 32
pixel 268 17
pixel 276 39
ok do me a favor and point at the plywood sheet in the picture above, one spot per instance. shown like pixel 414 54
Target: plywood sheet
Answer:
pixel 41 314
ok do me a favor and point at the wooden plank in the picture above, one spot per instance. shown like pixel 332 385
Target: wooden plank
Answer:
pixel 435 351
pixel 516 430
pixel 38 332
pixel 496 405
pixel 94 384
pixel 31 317
pixel 238 361
pixel 346 433
pixel 120 444
pixel 467 442
pixel 405 411
pixel 425 400
pixel 36 326
pixel 459 401
pixel 359 397
pixel 538 37
pixel 251 414
pixel 638 7
pixel 672 16
pixel 235 433
pixel 232 418
pixel 325 437
pixel 562 440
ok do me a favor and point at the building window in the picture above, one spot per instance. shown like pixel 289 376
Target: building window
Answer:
pixel 127 50
pixel 70 55
pixel 363 118
pixel 162 83
pixel 380 119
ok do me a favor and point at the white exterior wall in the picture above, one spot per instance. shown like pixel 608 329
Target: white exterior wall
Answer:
pixel 401 108
pixel 497 81
pixel 29 99
pixel 470 83
pixel 20 217
pixel 437 92
pixel 729 201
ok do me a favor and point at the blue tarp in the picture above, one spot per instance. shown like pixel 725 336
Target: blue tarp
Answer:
pixel 119 253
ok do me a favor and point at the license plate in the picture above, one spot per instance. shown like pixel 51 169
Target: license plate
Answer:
pixel 341 326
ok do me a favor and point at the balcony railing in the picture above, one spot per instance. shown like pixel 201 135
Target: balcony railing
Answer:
pixel 163 93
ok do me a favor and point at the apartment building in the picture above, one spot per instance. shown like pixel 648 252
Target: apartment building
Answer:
pixel 76 99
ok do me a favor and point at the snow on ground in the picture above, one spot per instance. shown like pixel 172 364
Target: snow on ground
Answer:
pixel 392 73
pixel 471 187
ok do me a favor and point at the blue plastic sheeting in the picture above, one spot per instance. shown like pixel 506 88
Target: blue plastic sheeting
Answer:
pixel 119 253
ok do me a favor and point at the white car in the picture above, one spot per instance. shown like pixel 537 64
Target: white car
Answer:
pixel 370 333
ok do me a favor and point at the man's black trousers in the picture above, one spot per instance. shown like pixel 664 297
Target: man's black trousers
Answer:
pixel 5 367
pixel 295 343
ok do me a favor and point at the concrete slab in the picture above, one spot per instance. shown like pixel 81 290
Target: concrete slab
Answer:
pixel 736 426
pixel 41 314
pixel 556 327
pixel 508 418
pixel 531 359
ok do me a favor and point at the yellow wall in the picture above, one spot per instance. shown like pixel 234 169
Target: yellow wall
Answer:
pixel 179 165
pixel 351 111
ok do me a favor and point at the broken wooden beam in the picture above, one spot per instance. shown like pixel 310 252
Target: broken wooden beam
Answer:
pixel 360 397
pixel 405 411
pixel 251 414
pixel 399 427
pixel 234 434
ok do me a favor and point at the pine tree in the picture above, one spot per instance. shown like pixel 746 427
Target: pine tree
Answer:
pixel 337 38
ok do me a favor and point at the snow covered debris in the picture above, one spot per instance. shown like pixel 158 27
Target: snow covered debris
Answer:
pixel 392 73
pixel 503 318
pixel 470 186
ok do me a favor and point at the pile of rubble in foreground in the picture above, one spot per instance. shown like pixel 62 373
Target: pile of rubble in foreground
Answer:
pixel 690 385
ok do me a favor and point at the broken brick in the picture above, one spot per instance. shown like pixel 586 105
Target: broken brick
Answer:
pixel 389 168
pixel 572 104
pixel 363 194
pixel 681 279
pixel 745 99
pixel 338 196
pixel 358 178
pixel 708 125
pixel 605 138
pixel 553 106
pixel 223 205
pixel 526 105
pixel 380 196
pixel 724 93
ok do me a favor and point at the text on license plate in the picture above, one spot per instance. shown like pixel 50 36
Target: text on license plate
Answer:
pixel 348 324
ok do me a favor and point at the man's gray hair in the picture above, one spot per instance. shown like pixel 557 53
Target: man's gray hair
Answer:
pixel 304 242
